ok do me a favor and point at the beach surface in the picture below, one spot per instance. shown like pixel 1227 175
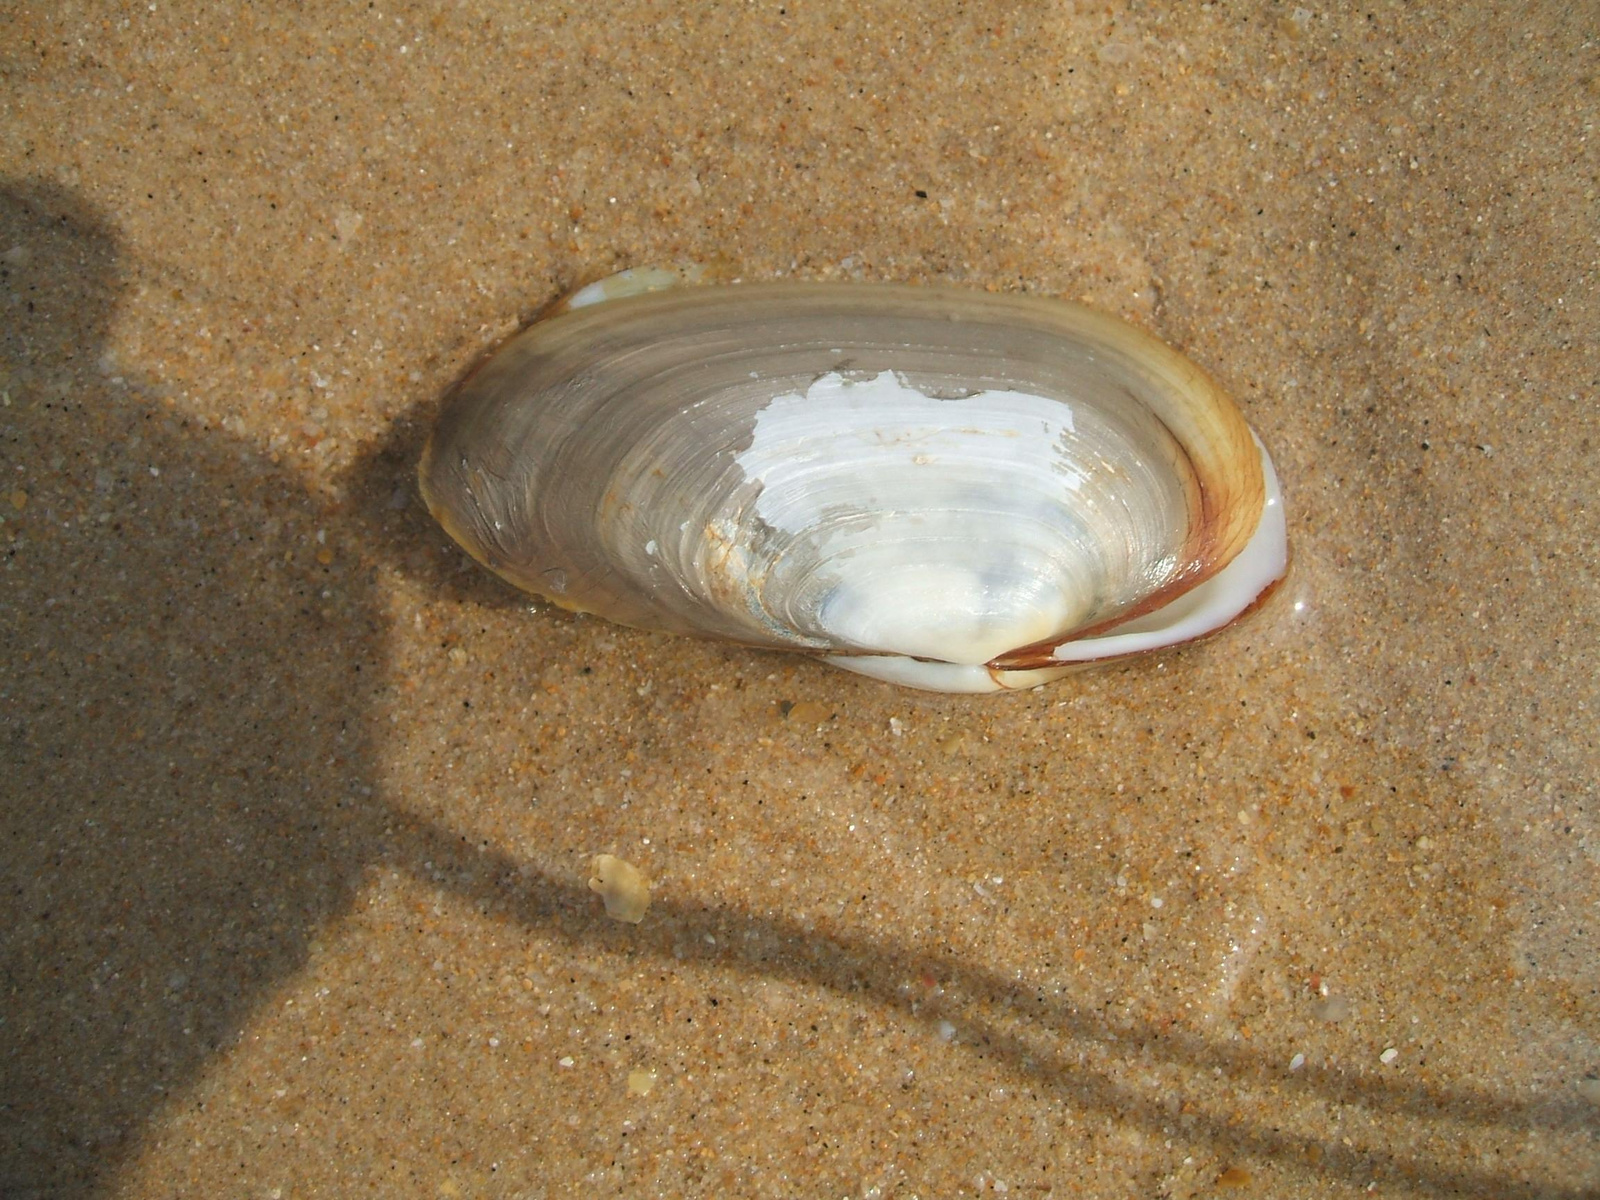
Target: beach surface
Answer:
pixel 299 806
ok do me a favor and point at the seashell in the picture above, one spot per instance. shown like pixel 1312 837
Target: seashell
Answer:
pixel 951 490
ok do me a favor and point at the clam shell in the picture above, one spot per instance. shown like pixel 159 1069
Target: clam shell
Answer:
pixel 952 490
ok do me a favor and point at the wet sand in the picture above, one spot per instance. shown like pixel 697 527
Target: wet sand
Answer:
pixel 299 806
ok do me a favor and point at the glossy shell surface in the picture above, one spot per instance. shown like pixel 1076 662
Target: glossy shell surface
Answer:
pixel 948 489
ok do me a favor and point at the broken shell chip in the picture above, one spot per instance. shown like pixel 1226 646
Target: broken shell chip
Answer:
pixel 951 490
pixel 622 886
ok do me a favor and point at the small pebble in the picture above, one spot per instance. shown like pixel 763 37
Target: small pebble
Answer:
pixel 1388 1056
pixel 1298 1061
pixel 809 712
pixel 640 1082
pixel 1333 1008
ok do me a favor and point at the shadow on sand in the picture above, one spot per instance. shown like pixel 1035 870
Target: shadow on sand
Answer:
pixel 187 794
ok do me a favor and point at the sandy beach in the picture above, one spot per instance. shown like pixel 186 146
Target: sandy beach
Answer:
pixel 298 805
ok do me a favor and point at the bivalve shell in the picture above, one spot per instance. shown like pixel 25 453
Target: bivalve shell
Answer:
pixel 952 490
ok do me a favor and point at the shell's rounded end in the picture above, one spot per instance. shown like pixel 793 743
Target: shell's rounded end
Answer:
pixel 1238 589
pixel 447 495
pixel 1207 608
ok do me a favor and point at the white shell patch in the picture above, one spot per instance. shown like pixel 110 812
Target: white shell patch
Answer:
pixel 906 496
